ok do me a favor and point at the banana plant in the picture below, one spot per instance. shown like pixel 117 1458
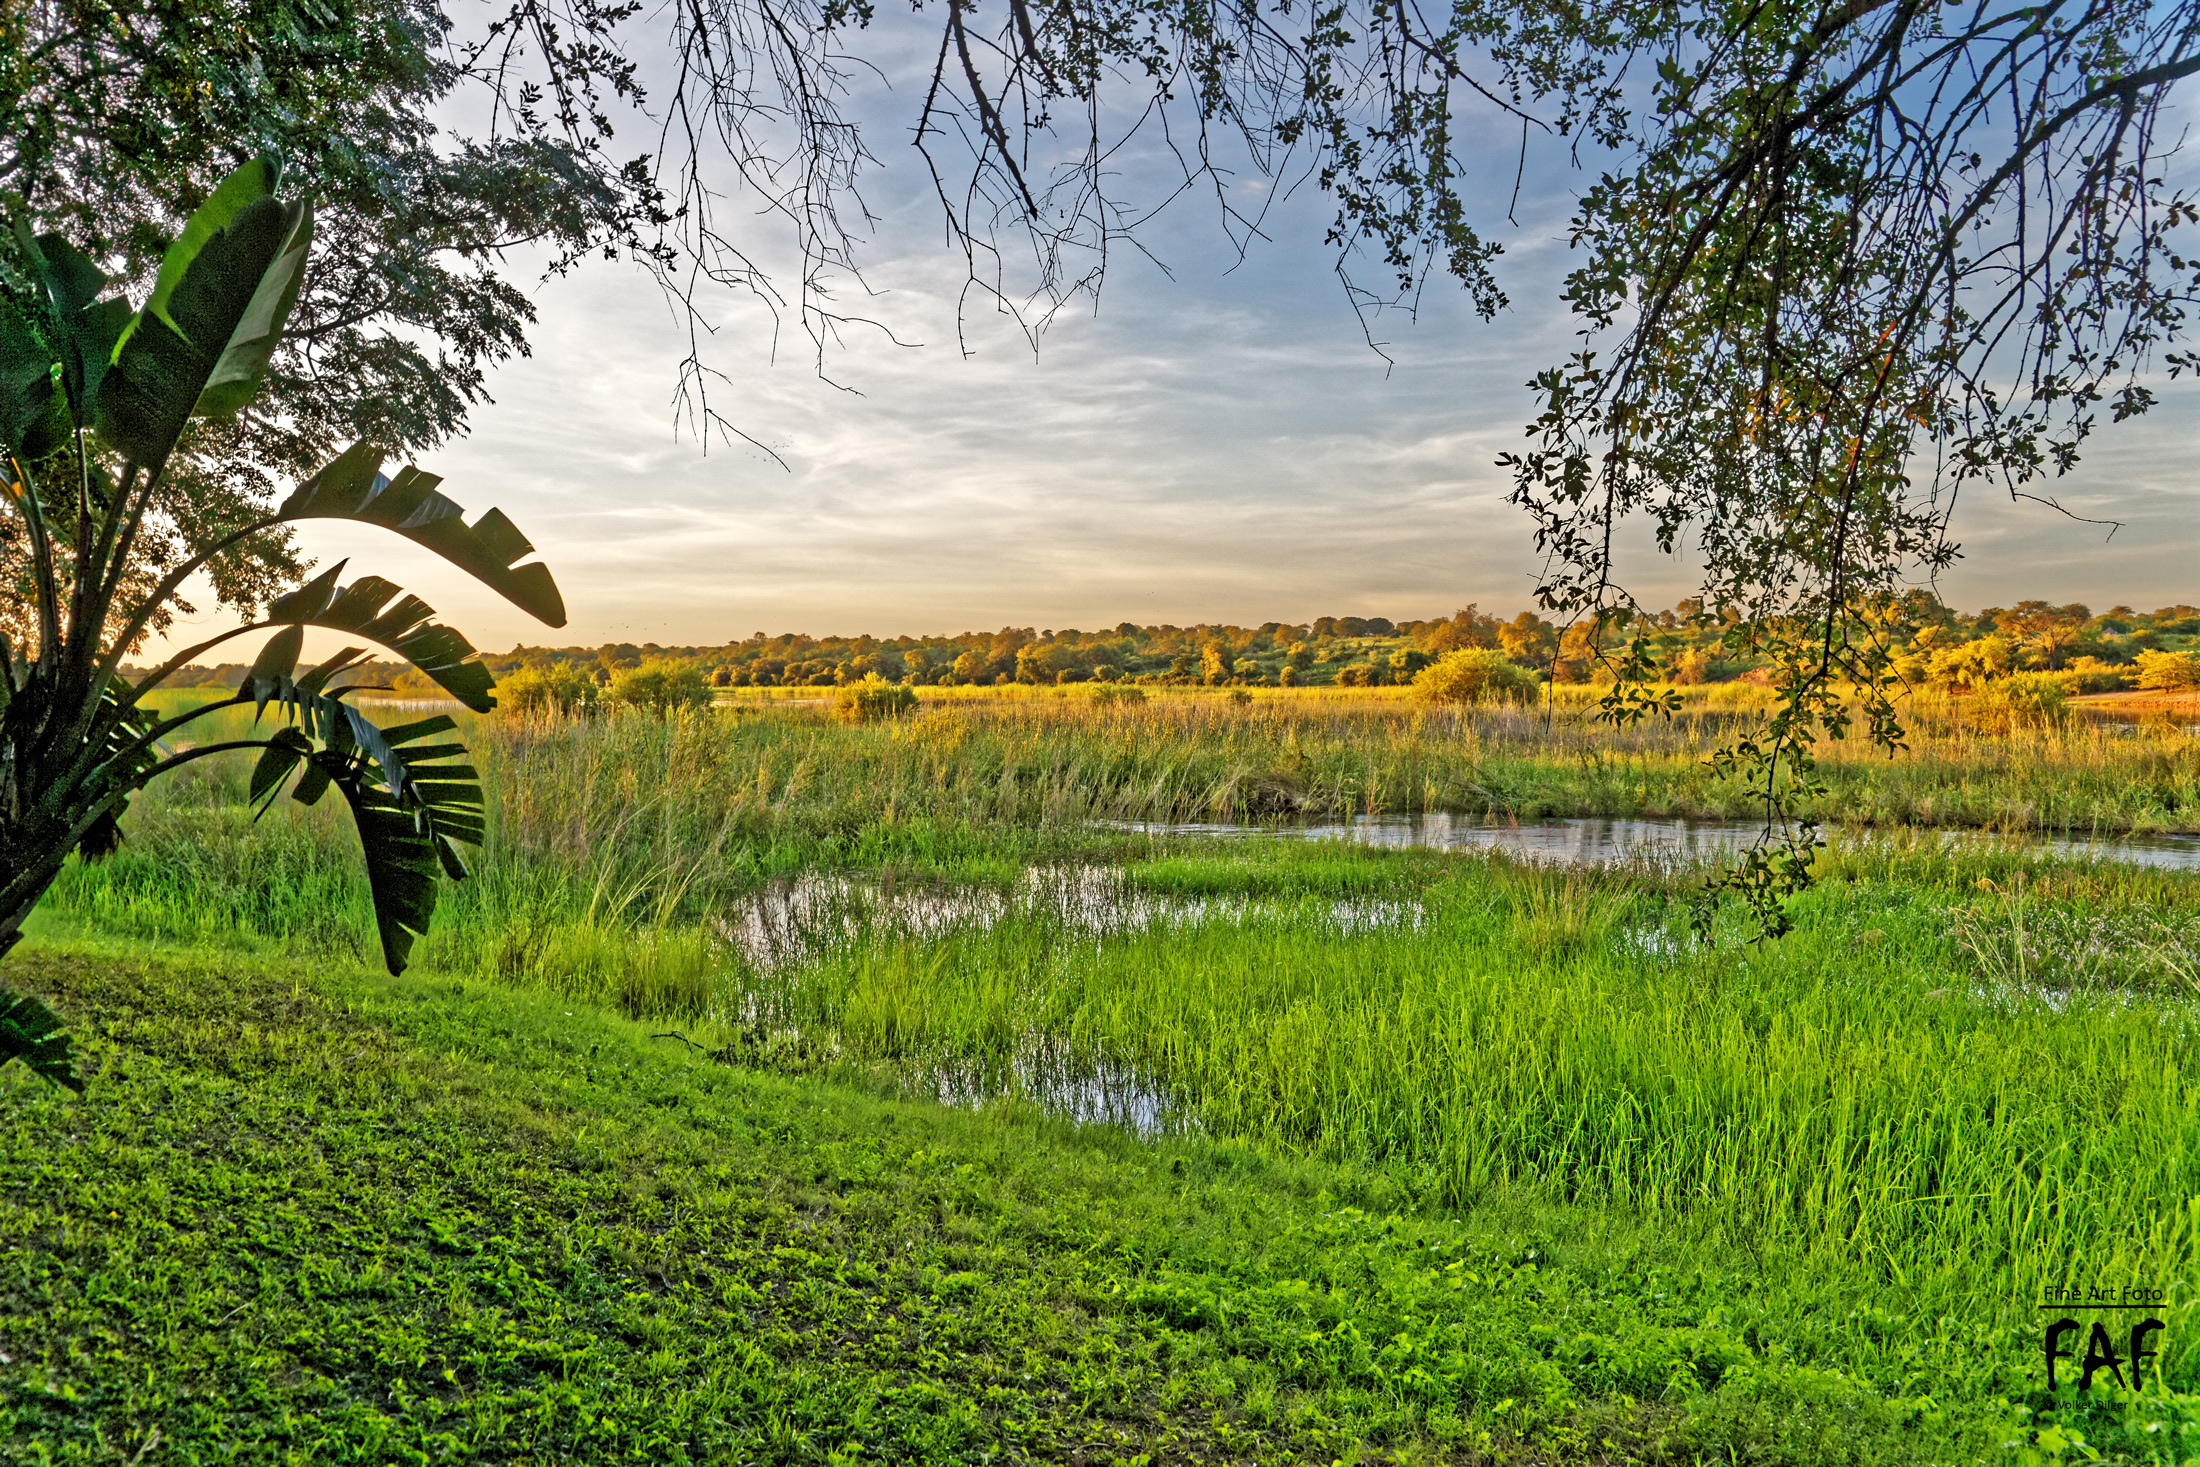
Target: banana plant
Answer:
pixel 94 399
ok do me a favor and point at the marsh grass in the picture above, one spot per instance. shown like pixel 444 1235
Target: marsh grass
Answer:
pixel 1555 916
pixel 619 841
pixel 755 772
pixel 1837 1105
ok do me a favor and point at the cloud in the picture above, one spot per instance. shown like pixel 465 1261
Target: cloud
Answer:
pixel 1217 442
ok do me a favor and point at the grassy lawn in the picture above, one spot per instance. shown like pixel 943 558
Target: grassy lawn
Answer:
pixel 317 1214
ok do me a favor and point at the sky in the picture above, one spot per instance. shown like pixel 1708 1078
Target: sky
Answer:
pixel 1216 442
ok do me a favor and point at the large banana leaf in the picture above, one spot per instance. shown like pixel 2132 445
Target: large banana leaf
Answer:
pixel 202 342
pixel 33 413
pixel 365 609
pixel 411 804
pixel 351 487
pixel 324 717
pixel 82 328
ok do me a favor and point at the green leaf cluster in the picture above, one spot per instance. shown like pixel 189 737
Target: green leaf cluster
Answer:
pixel 95 398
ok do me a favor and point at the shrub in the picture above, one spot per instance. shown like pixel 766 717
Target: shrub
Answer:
pixel 1407 662
pixel 1974 664
pixel 1691 667
pixel 559 688
pixel 1475 675
pixel 2092 675
pixel 1117 693
pixel 2169 672
pixel 661 687
pixel 874 697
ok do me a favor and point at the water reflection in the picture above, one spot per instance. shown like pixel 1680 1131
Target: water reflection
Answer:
pixel 1561 842
pixel 800 918
pixel 1604 842
pixel 1089 1092
pixel 813 919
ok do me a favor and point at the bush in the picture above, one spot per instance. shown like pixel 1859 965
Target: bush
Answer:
pixel 2092 675
pixel 661 687
pixel 1690 668
pixel 874 697
pixel 1117 693
pixel 1975 664
pixel 1407 662
pixel 558 688
pixel 2169 672
pixel 1475 675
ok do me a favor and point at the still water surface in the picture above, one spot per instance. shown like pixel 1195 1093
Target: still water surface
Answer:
pixel 1598 842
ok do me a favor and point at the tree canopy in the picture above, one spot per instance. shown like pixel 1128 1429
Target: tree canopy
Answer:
pixel 120 117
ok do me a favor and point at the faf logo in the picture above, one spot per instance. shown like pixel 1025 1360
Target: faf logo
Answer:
pixel 2100 1343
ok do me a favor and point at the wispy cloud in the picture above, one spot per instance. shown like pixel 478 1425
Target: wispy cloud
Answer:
pixel 1217 446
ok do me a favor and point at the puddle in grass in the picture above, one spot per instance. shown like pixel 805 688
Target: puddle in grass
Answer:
pixel 794 920
pixel 1600 842
pixel 1103 1094
pixel 804 919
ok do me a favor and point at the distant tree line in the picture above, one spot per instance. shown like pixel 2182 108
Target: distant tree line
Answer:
pixel 1349 651
pixel 1935 646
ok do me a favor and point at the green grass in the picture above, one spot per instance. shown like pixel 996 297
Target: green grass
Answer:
pixel 318 1215
pixel 756 788
pixel 1853 1102
pixel 1789 1203
pixel 633 824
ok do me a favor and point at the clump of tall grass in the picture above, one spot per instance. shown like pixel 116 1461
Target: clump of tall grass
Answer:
pixel 1557 915
pixel 626 946
pixel 2018 701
